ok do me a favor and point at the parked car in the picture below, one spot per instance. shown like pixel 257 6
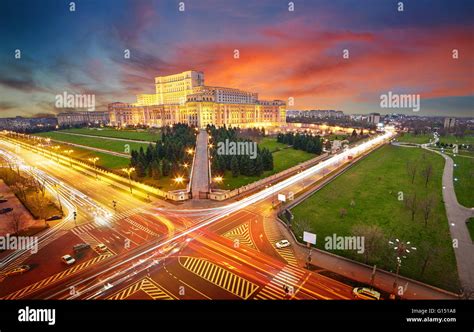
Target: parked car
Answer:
pixel 19 270
pixel 366 293
pixel 282 244
pixel 101 247
pixel 81 246
pixel 68 259
pixel 5 210
pixel 56 217
pixel 3 200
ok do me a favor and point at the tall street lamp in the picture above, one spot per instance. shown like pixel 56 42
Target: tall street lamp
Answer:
pixel 68 152
pixel 94 160
pixel 401 249
pixel 129 171
pixel 55 148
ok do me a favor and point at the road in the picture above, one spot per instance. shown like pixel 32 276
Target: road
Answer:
pixel 222 252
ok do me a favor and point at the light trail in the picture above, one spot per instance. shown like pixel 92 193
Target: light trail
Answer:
pixel 226 210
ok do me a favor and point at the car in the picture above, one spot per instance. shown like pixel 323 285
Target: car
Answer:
pixel 282 244
pixel 101 247
pixel 56 217
pixel 3 200
pixel 80 247
pixel 5 210
pixel 366 293
pixel 68 259
pixel 19 270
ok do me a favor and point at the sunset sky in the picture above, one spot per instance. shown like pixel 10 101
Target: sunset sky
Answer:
pixel 282 54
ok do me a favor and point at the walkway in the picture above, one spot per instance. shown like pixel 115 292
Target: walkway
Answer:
pixel 457 216
pixel 109 138
pixel 200 180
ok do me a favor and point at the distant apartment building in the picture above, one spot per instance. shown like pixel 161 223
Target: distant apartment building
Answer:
pixel 183 98
pixel 449 123
pixel 82 118
pixel 373 118
pixel 317 114
pixel 21 123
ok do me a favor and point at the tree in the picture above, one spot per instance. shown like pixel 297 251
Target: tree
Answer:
pixel 374 239
pixel 165 167
pixel 411 169
pixel 258 165
pixel 234 166
pixel 342 212
pixel 155 170
pixel 411 204
pixel 16 222
pixel 427 206
pixel 426 172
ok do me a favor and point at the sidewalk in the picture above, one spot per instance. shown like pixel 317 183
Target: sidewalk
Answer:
pixel 200 181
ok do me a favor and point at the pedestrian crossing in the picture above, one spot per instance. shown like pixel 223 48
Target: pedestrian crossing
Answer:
pixel 288 278
pixel 273 235
pixel 141 227
pixel 24 256
pixel 242 234
pixel 147 285
pixel 54 278
pixel 84 228
pixel 219 276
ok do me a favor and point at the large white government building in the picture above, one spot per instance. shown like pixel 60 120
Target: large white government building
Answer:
pixel 183 98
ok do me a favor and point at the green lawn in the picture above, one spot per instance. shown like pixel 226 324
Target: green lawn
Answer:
pixel 282 159
pixel 105 160
pixel 470 227
pixel 464 186
pixel 369 192
pixel 425 138
pixel 151 135
pixel 417 139
pixel 95 142
pixel 271 144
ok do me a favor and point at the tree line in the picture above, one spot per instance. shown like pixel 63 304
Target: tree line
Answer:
pixel 239 164
pixel 305 142
pixel 168 155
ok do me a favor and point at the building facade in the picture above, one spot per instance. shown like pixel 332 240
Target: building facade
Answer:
pixel 449 123
pixel 82 118
pixel 183 98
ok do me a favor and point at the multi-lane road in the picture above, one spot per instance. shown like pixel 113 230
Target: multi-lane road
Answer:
pixel 157 250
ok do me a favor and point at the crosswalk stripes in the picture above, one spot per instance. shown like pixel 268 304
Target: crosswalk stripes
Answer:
pixel 20 259
pixel 219 276
pixel 140 226
pixel 84 228
pixel 54 278
pixel 273 235
pixel 241 233
pixel 146 285
pixel 274 290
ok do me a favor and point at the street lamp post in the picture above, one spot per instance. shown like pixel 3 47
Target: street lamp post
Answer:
pixel 94 160
pixel 68 152
pixel 129 171
pixel 401 249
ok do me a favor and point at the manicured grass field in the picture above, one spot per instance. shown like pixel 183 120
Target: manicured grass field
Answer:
pixel 105 160
pixel 282 159
pixel 425 138
pixel 417 139
pixel 271 144
pixel 139 135
pixel 369 193
pixel 464 172
pixel 95 142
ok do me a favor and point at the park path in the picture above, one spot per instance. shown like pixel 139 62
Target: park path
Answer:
pixel 109 138
pixel 457 216
pixel 200 180
pixel 113 153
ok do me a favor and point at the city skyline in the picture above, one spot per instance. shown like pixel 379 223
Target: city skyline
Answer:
pixel 282 54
